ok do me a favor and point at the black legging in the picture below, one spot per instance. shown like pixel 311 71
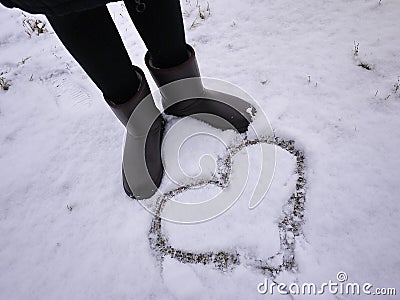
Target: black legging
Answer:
pixel 93 40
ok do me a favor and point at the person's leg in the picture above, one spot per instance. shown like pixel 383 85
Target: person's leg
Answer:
pixel 160 25
pixel 93 40
pixel 169 59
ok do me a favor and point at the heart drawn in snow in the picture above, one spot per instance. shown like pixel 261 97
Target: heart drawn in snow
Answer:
pixel 290 221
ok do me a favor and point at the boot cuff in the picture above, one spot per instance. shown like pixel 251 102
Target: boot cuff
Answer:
pixel 163 76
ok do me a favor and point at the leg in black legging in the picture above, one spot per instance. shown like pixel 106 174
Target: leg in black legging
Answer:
pixel 160 25
pixel 93 40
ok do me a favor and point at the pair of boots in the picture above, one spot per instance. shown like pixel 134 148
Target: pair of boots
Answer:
pixel 142 165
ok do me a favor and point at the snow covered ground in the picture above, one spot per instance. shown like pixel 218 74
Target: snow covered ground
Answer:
pixel 67 230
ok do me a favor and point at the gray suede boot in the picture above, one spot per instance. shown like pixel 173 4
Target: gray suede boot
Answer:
pixel 188 97
pixel 142 168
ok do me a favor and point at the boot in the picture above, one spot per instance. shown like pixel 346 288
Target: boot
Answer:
pixel 142 168
pixel 190 98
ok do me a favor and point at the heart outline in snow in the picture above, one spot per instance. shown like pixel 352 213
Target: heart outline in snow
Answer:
pixel 290 223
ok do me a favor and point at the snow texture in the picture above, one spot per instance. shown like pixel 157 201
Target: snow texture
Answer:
pixel 327 75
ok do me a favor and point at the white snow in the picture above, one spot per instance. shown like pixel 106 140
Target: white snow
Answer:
pixel 68 231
